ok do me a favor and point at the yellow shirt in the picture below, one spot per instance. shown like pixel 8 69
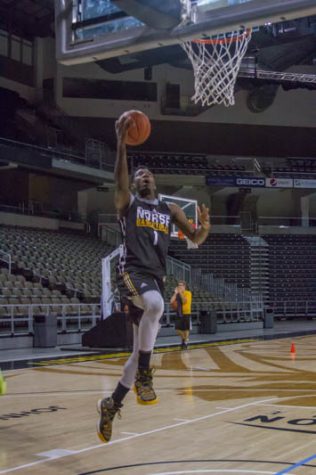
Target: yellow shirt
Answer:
pixel 186 307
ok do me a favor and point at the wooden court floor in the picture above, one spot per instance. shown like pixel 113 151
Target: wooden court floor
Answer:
pixel 246 408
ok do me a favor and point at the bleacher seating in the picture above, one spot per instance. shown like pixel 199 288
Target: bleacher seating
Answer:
pixel 162 163
pixel 185 164
pixel 67 262
pixel 291 168
pixel 16 290
pixel 224 255
pixel 292 266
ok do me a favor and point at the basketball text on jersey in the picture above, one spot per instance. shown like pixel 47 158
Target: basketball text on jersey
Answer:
pixel 152 219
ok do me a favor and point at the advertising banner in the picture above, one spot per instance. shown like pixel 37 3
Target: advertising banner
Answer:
pixel 220 180
pixel 258 182
pixel 251 182
pixel 302 183
pixel 279 182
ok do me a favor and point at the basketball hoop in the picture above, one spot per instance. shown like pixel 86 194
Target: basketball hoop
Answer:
pixel 190 244
pixel 216 62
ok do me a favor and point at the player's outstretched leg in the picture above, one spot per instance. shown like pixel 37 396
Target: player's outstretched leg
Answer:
pixel 153 305
pixel 107 409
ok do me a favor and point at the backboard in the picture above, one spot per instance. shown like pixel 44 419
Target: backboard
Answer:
pixel 92 30
pixel 188 206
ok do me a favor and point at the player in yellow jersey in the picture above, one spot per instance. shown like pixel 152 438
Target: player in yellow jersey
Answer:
pixel 3 385
pixel 181 300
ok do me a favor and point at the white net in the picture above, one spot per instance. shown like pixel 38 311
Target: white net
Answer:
pixel 216 63
pixel 190 244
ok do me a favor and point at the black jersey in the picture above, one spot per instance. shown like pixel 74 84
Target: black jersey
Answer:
pixel 145 227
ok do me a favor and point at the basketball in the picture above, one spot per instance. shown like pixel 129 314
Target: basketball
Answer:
pixel 140 128
pixel 174 305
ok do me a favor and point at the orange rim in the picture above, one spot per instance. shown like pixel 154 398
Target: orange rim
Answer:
pixel 222 41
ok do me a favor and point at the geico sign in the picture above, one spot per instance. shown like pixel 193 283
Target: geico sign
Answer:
pixel 250 181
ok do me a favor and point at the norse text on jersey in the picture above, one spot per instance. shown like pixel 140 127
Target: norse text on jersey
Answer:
pixel 152 219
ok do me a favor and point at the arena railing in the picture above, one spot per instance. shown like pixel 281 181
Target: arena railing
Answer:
pixel 36 209
pixel 224 312
pixel 293 308
pixel 19 319
pixel 6 257
pixel 55 152
pixel 286 221
pixel 16 323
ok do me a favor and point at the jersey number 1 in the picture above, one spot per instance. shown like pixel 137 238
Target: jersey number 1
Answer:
pixel 155 238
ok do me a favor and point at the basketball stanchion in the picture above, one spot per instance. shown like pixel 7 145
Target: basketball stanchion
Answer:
pixel 216 62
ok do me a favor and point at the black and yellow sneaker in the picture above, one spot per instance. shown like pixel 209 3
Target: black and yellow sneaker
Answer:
pixel 3 385
pixel 107 409
pixel 144 387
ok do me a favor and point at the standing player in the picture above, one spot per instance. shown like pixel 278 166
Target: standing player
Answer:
pixel 145 225
pixel 3 385
pixel 182 300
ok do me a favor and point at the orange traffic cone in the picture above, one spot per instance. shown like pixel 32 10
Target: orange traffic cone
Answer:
pixel 293 349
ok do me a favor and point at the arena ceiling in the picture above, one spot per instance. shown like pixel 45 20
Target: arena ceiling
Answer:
pixel 28 18
pixel 274 47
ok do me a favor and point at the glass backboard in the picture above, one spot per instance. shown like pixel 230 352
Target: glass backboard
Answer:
pixel 214 4
pixel 189 208
pixel 92 30
pixel 93 18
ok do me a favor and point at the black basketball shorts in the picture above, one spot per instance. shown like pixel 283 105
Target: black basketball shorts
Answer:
pixel 183 323
pixel 137 283
pixel 134 284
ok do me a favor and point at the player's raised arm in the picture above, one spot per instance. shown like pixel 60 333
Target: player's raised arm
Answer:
pixel 122 192
pixel 198 235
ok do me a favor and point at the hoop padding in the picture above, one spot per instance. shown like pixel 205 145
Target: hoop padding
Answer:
pixel 216 63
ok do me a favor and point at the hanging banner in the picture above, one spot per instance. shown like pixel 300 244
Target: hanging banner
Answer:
pixel 220 180
pixel 258 182
pixel 302 183
pixel 251 182
pixel 279 182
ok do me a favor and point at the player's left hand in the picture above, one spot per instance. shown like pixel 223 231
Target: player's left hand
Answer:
pixel 121 127
pixel 204 216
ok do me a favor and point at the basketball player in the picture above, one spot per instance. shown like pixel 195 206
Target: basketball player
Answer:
pixel 145 225
pixel 3 385
pixel 182 300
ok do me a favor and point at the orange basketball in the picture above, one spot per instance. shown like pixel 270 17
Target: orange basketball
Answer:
pixel 140 128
